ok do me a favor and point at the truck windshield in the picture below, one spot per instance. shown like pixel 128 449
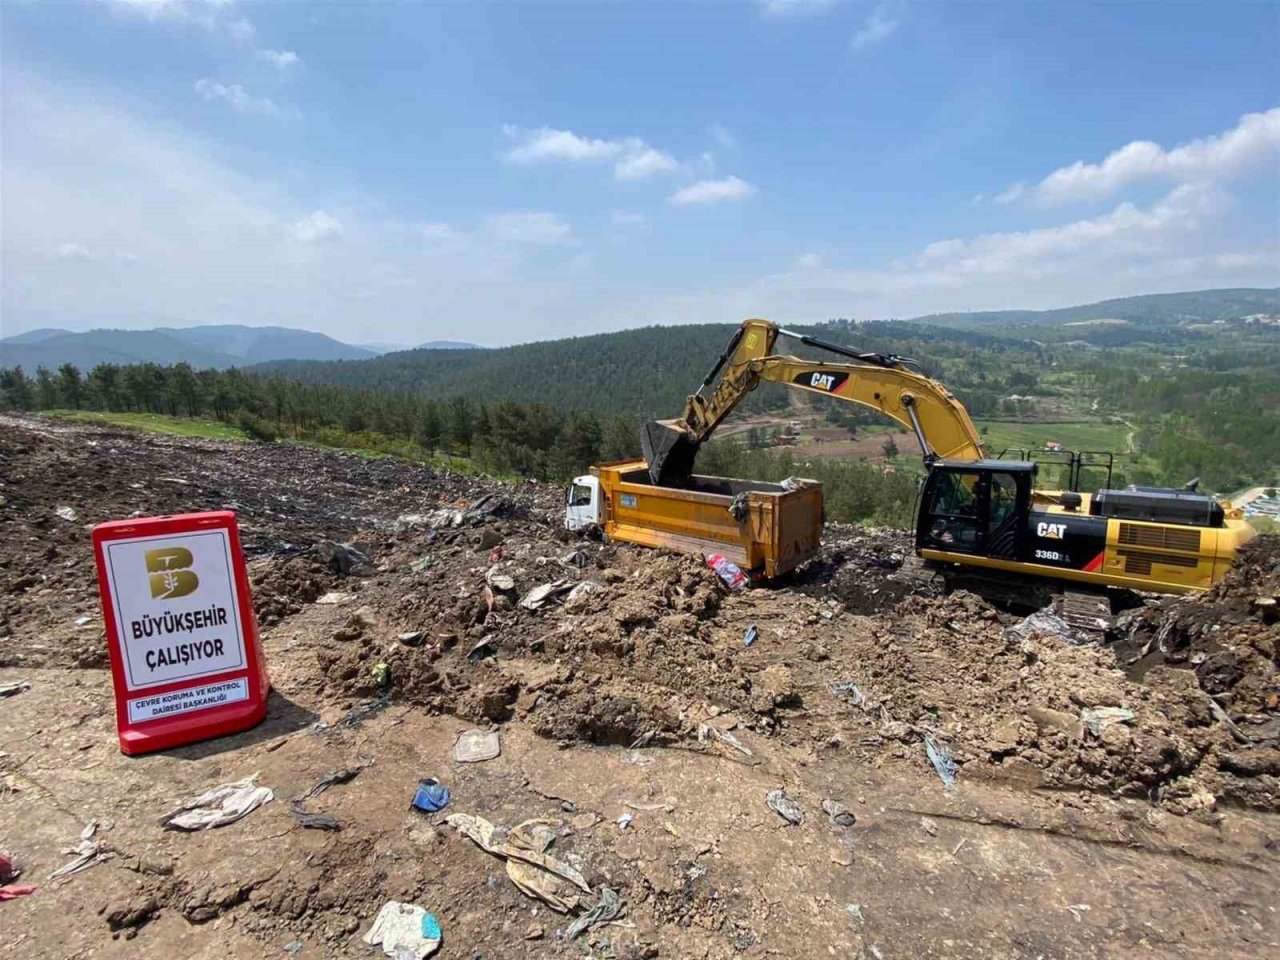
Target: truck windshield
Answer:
pixel 580 495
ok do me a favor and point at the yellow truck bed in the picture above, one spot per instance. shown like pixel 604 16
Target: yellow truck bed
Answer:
pixel 779 530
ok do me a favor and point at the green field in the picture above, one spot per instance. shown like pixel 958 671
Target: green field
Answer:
pixel 157 423
pixel 1084 435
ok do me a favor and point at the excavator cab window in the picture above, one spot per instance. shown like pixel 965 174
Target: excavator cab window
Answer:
pixel 976 511
pixel 953 511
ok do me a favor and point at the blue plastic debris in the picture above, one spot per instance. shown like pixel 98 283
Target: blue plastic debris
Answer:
pixel 431 927
pixel 750 636
pixel 940 757
pixel 431 796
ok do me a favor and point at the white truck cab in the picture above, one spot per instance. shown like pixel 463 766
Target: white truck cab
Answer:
pixel 582 504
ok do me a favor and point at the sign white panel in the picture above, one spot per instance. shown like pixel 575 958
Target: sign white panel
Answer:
pixel 191 698
pixel 177 614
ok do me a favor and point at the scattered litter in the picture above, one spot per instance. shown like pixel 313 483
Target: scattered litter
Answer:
pixel 224 804
pixel 608 908
pixel 476 746
pixel 727 570
pixel 67 513
pixel 330 779
pixel 855 910
pixel 784 806
pixel 942 762
pixel 8 874
pixel 929 826
pixel 545 593
pixel 431 795
pixel 706 730
pixel 1075 909
pixel 411 638
pixel 963 841
pixel 422 563
pixel 484 648
pixel 404 931
pixel 849 690
pixel 10 689
pixel 578 558
pixel 750 637
pixel 83 621
pixel 88 852
pixel 357 714
pixel 500 581
pixel 336 597
pixel 625 820
pixel 739 507
pixel 1042 623
pixel 381 673
pixel 535 872
pixel 838 813
pixel 342 558
pixel 1097 719
pixel 581 591
pixel 312 821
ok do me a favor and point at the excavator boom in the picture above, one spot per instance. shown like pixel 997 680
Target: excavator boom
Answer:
pixel 884 383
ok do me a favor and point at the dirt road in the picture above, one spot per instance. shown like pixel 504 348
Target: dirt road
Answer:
pixel 1157 838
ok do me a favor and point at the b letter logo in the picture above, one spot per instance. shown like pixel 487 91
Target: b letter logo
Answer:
pixel 170 573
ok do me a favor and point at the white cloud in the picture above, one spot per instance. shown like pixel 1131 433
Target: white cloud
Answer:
pixel 213 16
pixel 436 231
pixel 644 162
pixel 1254 142
pixel 234 94
pixel 280 59
pixel 537 146
pixel 723 138
pixel 713 191
pixel 528 227
pixel 1011 193
pixel 796 8
pixel 317 227
pixel 75 251
pixel 878 27
pixel 633 158
pixel 626 218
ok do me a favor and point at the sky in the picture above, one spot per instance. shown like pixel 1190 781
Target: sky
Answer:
pixel 500 172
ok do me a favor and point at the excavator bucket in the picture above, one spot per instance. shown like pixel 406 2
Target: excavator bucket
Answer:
pixel 668 451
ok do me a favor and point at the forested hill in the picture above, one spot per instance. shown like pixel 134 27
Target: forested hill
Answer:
pixel 1160 310
pixel 646 372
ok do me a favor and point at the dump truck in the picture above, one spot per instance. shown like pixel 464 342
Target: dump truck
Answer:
pixel 767 529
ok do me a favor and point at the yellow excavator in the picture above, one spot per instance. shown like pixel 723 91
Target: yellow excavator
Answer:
pixel 975 512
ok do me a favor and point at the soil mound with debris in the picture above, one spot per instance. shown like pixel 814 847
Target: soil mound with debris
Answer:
pixel 644 708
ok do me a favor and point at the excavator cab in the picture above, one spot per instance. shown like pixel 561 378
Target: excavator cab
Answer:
pixel 976 507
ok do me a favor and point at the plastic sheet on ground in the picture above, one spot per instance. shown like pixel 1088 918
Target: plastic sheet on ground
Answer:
pixel 785 807
pixel 1097 719
pixel 608 908
pixel 476 746
pixel 1042 623
pixel 535 872
pixel 942 762
pixel 404 931
pixel 224 804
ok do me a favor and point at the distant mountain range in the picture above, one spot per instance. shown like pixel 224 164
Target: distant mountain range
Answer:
pixel 1152 310
pixel 215 346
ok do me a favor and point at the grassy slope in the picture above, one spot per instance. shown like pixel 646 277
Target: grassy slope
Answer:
pixel 157 423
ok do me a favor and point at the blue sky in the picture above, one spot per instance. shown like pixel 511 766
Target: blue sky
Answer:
pixel 500 172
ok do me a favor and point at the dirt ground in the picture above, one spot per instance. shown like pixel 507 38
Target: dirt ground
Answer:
pixel 1155 836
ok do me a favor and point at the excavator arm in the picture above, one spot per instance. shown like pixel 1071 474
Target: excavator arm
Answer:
pixel 884 383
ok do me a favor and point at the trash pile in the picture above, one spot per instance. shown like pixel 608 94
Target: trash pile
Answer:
pixel 390 594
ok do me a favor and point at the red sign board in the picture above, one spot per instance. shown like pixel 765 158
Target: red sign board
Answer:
pixel 186 660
